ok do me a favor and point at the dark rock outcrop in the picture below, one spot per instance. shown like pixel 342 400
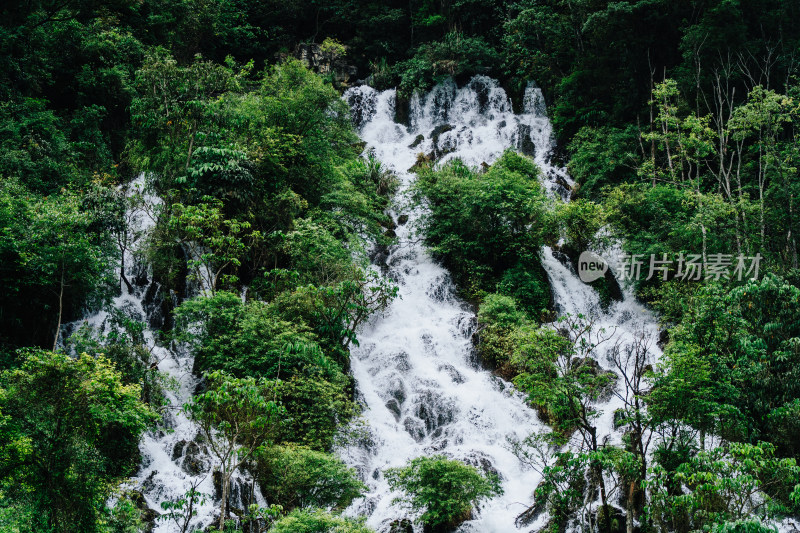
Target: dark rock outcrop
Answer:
pixel 313 56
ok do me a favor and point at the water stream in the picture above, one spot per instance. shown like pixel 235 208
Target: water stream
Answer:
pixel 174 459
pixel 415 366
pixel 416 370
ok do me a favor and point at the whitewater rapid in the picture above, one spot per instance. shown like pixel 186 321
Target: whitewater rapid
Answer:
pixel 417 376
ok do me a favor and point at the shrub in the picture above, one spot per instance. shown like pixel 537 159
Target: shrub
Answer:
pixel 295 476
pixel 483 224
pixel 454 55
pixel 444 489
pixel 317 521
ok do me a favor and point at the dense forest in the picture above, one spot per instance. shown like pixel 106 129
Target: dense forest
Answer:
pixel 222 122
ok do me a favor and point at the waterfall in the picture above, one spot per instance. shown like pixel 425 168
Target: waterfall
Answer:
pixel 417 376
pixel 174 457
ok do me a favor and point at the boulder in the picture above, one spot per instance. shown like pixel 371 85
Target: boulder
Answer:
pixel 417 141
pixel 402 525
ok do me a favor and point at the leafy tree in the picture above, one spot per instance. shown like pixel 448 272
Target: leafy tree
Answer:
pixel 563 485
pixel 73 427
pixel 237 416
pixel 172 108
pixel 298 477
pixel 581 220
pixel 53 254
pixel 444 490
pixel 215 244
pixel 342 308
pixel 732 361
pixel 483 224
pixel 561 378
pixel 249 339
pixel 317 410
pixel 455 55
pixel 317 521
pixel 603 157
pixel 182 510
pixel 724 486
pixel 125 345
pixel 498 317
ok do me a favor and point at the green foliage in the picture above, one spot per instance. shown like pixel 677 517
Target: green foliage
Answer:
pixel 317 521
pixel 55 255
pixel 125 346
pixel 499 310
pixel 332 48
pixel 563 476
pixel 182 510
pixel 455 55
pixel 444 490
pixel 558 373
pixel 33 146
pixel 72 427
pixel 733 361
pixel 602 157
pixel 298 477
pixel 237 417
pixel 581 220
pixel 484 224
pixel 215 244
pixel 727 488
pixel 317 411
pixel 249 339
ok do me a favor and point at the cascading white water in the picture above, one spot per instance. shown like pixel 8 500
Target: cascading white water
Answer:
pixel 174 459
pixel 417 376
pixel 422 389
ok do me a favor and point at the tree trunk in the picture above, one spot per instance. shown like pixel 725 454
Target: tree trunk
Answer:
pixel 630 507
pixel 60 309
pixel 598 471
pixel 226 480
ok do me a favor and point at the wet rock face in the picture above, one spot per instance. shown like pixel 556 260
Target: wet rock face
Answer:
pixel 191 456
pixel 417 141
pixel 314 57
pixel 148 515
pixel 362 107
pixel 524 142
pixel 401 526
pixel 484 463
pixel 442 144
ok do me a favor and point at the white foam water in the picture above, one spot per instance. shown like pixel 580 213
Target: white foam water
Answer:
pixel 174 460
pixel 415 368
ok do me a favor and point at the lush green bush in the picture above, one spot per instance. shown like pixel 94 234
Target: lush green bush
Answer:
pixel 57 252
pixel 483 225
pixel 444 490
pixel 580 221
pixel 498 317
pixel 295 476
pixel 732 366
pixel 249 339
pixel 69 427
pixel 457 55
pixel 317 411
pixel 721 485
pixel 317 521
pixel 603 158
